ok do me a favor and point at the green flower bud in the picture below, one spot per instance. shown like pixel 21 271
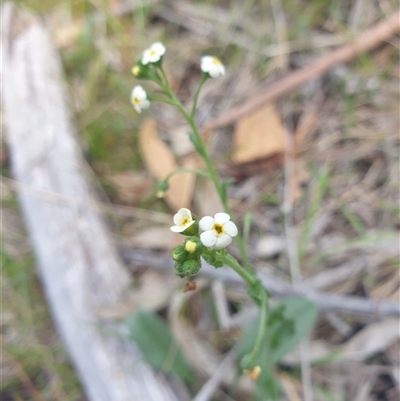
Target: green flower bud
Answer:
pixel 179 253
pixel 162 189
pixel 141 71
pixel 189 267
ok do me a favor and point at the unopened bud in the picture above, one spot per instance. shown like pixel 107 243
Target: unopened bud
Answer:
pixel 253 373
pixel 193 245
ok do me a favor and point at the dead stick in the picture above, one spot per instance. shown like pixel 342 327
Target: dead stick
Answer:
pixel 328 302
pixel 366 41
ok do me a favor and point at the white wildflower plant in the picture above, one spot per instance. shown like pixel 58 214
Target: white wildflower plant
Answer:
pixel 182 220
pixel 139 99
pixel 212 66
pixel 153 54
pixel 218 231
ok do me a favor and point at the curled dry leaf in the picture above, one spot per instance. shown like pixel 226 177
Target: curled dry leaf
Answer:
pixel 258 135
pixel 371 340
pixel 131 186
pixel 160 162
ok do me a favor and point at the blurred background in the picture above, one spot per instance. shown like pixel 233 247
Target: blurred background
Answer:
pixel 340 178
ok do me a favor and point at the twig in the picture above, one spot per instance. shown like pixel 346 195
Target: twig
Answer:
pixel 60 199
pixel 326 302
pixel 366 41
pixel 207 391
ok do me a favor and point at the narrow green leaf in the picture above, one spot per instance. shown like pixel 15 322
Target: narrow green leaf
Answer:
pixel 288 324
pixel 154 339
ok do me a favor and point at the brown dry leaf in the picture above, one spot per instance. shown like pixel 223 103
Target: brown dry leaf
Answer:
pixel 206 198
pixel 160 162
pixel 258 135
pixel 371 340
pixel 131 186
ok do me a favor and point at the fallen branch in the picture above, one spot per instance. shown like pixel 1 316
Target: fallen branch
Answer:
pixel 77 263
pixel 326 302
pixel 366 41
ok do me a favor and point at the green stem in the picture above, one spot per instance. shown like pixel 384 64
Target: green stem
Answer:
pixel 160 99
pixel 207 160
pixel 196 95
pixel 261 328
pixel 248 277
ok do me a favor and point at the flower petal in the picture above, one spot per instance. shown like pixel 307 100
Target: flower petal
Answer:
pixel 177 219
pixel 231 229
pixel 137 108
pixel 145 104
pixel 222 241
pixel 214 73
pixel 222 218
pixel 206 223
pixel 185 213
pixel 208 239
pixel 177 229
pixel 158 47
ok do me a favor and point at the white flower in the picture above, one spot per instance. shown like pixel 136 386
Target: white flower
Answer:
pixel 139 99
pixel 218 231
pixel 212 66
pixel 153 53
pixel 183 220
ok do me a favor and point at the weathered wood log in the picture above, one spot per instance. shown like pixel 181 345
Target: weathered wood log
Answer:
pixel 78 266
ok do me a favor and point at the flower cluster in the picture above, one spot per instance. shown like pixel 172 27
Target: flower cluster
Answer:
pixel 149 65
pixel 217 234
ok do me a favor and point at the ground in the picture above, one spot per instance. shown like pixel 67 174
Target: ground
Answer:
pixel 343 187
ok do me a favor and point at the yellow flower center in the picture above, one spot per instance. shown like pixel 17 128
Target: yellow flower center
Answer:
pixel 152 53
pixel 185 220
pixel 135 100
pixel 190 246
pixel 216 61
pixel 218 229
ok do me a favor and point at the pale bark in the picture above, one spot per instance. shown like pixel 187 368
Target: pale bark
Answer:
pixel 78 265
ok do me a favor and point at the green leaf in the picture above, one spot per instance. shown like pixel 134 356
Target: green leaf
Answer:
pixel 154 339
pixel 288 323
pixel 255 292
